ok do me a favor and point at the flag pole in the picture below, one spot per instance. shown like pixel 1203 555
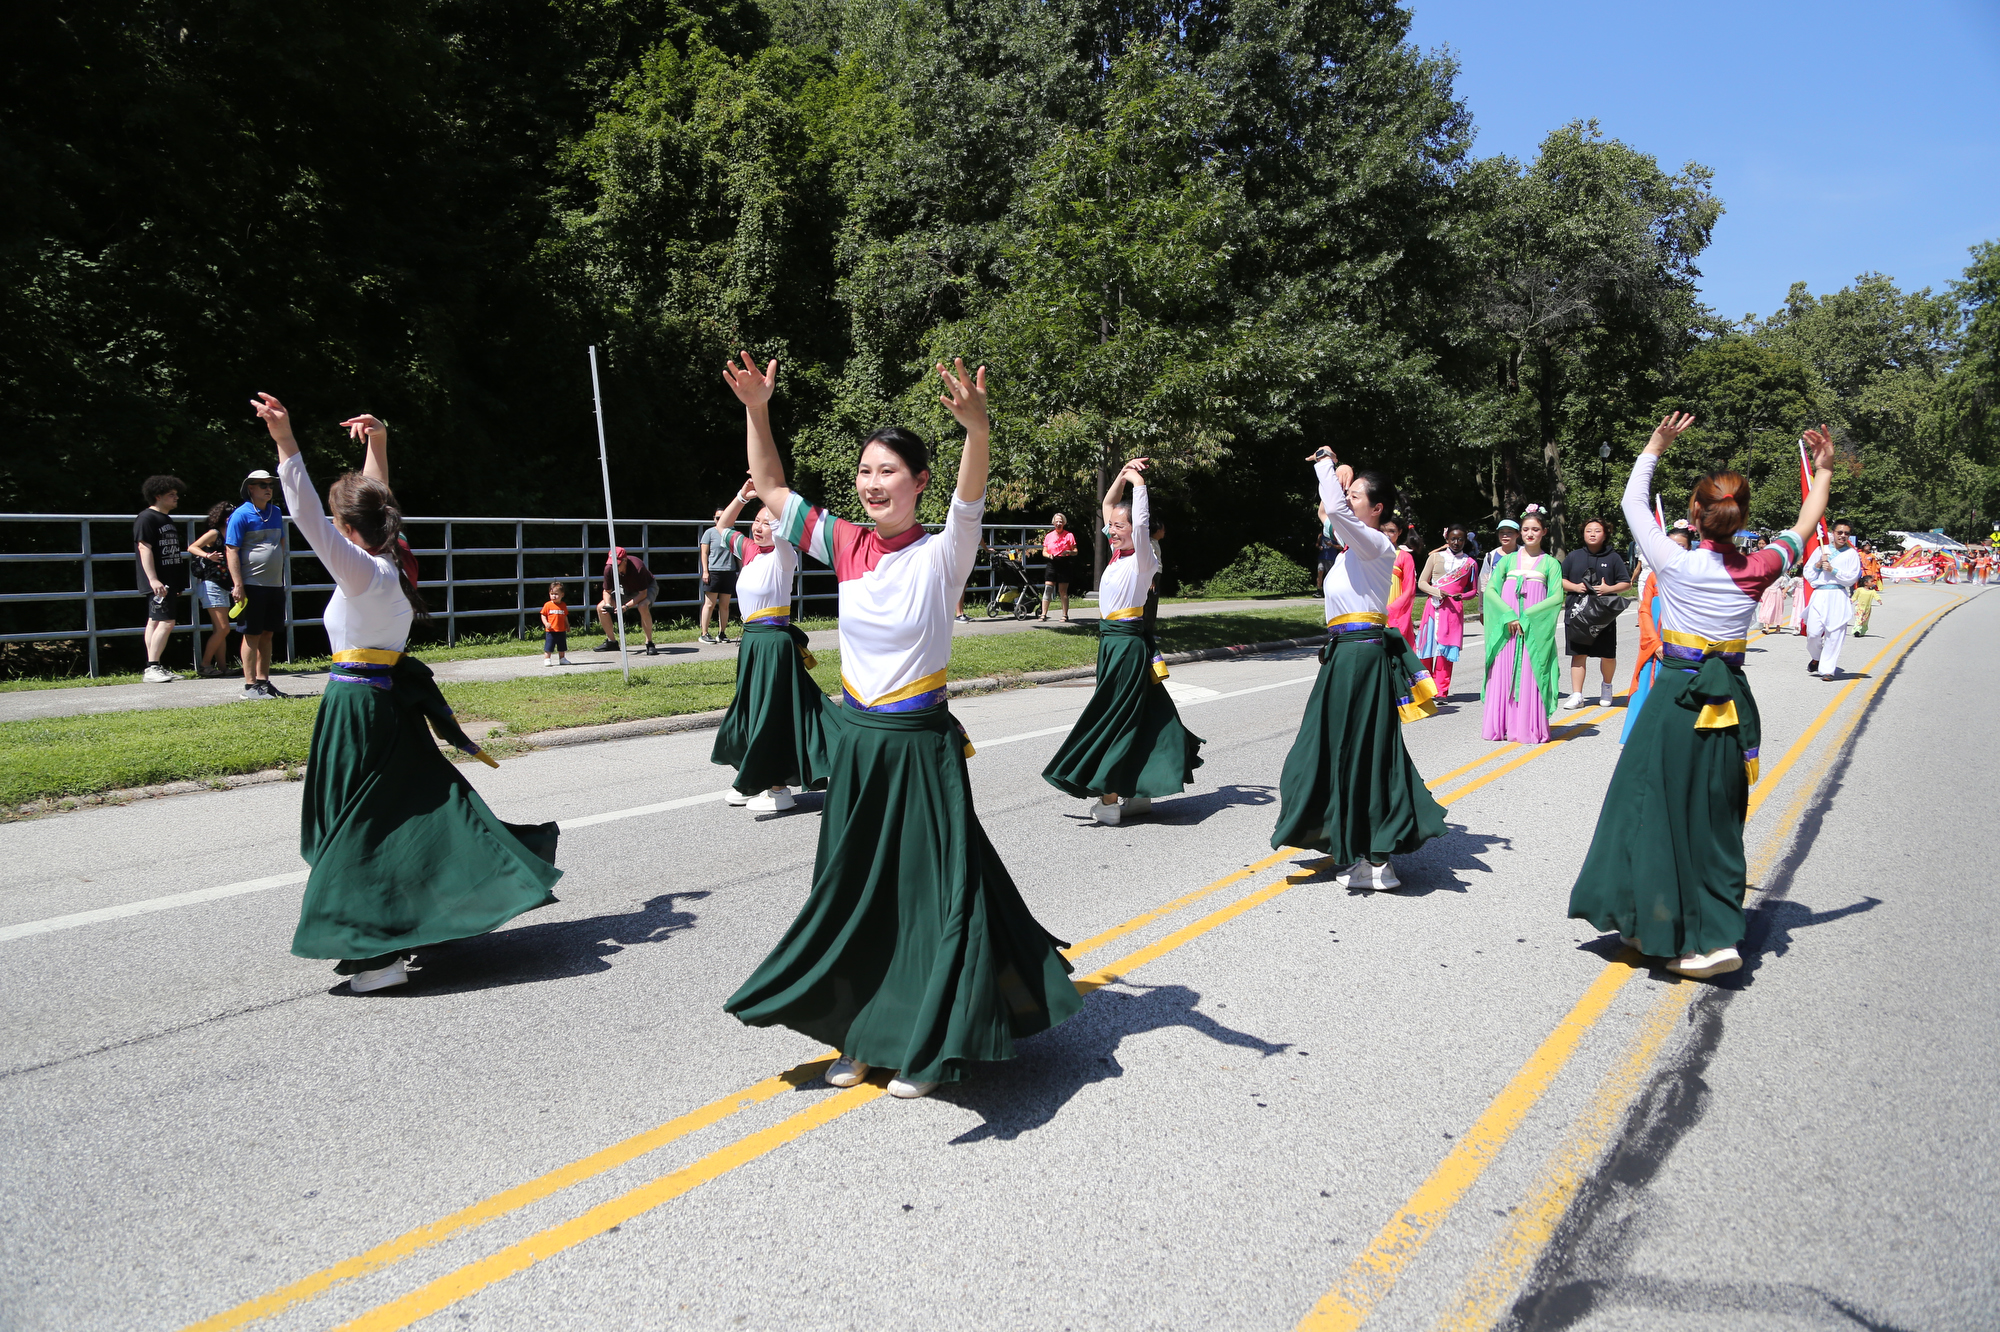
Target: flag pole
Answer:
pixel 610 525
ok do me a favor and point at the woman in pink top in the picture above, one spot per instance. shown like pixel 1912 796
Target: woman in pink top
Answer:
pixel 1059 546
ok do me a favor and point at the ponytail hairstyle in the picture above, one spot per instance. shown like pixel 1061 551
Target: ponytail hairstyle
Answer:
pixel 369 507
pixel 1381 491
pixel 1721 505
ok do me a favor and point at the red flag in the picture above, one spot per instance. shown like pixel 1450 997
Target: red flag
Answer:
pixel 1819 535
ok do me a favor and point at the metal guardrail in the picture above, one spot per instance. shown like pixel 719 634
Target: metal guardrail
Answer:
pixel 474 568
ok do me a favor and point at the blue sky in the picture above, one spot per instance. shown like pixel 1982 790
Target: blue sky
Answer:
pixel 1844 137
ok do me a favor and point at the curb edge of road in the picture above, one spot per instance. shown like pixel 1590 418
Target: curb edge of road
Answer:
pixel 586 735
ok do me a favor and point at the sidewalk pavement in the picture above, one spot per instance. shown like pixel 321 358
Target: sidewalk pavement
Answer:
pixel 193 692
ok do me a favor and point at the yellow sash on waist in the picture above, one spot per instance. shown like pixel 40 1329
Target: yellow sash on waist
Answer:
pixel 1708 647
pixel 933 681
pixel 1358 617
pixel 373 656
pixel 768 612
pixel 1129 613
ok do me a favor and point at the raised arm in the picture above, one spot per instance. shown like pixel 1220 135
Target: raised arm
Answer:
pixel 1814 508
pixel 965 395
pixel 726 520
pixel 374 432
pixel 1356 535
pixel 353 568
pixel 1637 504
pixel 753 388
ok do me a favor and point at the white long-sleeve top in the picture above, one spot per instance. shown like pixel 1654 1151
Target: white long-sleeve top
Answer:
pixel 1842 572
pixel 368 608
pixel 1360 579
pixel 1122 591
pixel 897 599
pixel 764 578
pixel 1709 591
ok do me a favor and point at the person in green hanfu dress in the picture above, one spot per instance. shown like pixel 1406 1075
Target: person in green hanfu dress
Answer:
pixel 1348 787
pixel 778 731
pixel 404 852
pixel 914 951
pixel 1665 869
pixel 1129 739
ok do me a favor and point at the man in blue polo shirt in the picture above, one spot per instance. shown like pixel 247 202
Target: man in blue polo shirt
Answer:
pixel 255 543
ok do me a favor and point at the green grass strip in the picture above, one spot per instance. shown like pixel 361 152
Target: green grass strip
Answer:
pixel 107 751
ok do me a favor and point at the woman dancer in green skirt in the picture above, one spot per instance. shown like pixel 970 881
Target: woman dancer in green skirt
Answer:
pixel 403 851
pixel 1349 788
pixel 914 951
pixel 1129 739
pixel 778 730
pixel 1665 866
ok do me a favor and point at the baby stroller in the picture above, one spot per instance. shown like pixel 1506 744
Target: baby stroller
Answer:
pixel 1014 593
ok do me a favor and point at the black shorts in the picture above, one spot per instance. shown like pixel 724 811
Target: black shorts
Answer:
pixel 1605 644
pixel 555 640
pixel 1062 570
pixel 721 583
pixel 263 611
pixel 163 608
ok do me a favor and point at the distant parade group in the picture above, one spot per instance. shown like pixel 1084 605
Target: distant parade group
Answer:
pixel 914 953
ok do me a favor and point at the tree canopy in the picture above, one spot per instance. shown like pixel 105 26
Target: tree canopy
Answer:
pixel 1213 234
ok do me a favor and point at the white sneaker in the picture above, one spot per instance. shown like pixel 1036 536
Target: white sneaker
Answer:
pixel 1604 697
pixel 1139 804
pixel 737 797
pixel 1354 876
pixel 1382 878
pixel 1573 702
pixel 768 802
pixel 910 1091
pixel 1108 815
pixel 361 982
pixel 846 1072
pixel 157 674
pixel 547 662
pixel 1701 966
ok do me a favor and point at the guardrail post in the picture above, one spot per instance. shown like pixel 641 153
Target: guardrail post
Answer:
pixel 89 598
pixel 520 580
pixel 285 563
pixel 450 593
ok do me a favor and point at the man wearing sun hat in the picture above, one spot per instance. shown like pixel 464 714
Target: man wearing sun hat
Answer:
pixel 254 542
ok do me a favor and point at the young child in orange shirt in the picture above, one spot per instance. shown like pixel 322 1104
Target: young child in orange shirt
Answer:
pixel 555 626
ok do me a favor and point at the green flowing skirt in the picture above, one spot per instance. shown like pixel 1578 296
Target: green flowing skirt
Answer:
pixel 1348 787
pixel 1665 865
pixel 914 950
pixel 404 852
pixel 779 727
pixel 1129 740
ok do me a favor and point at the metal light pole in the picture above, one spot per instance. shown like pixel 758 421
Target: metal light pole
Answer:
pixel 610 525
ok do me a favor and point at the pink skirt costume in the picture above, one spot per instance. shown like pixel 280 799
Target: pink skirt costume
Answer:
pixel 1402 592
pixel 1771 606
pixel 1516 708
pixel 1442 632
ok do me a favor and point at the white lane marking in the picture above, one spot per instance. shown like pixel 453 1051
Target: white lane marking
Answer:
pixel 54 923
pixel 81 918
pixel 1187 693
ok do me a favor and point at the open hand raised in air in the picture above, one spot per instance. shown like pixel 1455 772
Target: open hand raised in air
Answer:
pixel 359 428
pixel 1668 430
pixel 751 386
pixel 1820 444
pixel 965 395
pixel 272 412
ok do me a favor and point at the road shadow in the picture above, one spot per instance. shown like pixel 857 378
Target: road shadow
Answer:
pixel 1768 933
pixel 803 802
pixel 1185 810
pixel 1029 1090
pixel 557 950
pixel 1441 864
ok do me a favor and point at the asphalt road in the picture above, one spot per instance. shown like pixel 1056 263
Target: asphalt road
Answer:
pixel 1285 1105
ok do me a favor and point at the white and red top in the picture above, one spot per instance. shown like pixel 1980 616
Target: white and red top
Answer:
pixel 1357 590
pixel 1708 593
pixel 764 578
pixel 1121 593
pixel 898 598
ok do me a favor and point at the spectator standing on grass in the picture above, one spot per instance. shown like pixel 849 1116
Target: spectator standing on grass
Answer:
pixel 209 565
pixel 1059 549
pixel 719 566
pixel 254 542
pixel 1593 577
pixel 162 566
pixel 555 626
pixel 639 586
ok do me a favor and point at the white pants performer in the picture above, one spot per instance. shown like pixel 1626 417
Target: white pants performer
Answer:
pixel 1827 619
